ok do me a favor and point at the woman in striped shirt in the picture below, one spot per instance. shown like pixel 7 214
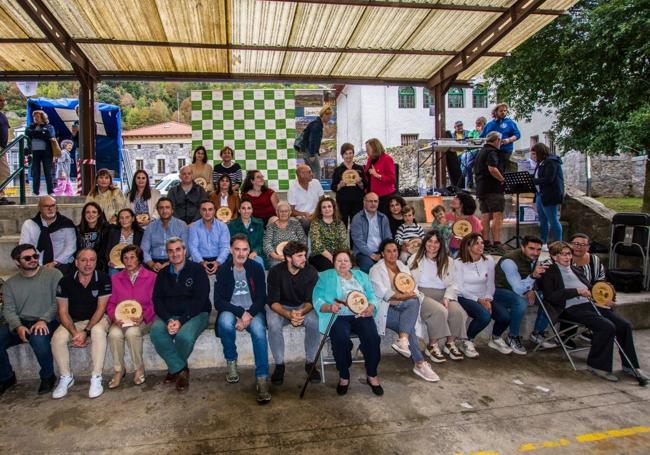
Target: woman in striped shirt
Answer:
pixel 227 166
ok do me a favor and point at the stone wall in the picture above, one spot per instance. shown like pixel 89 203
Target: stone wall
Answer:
pixel 612 176
pixel 587 215
pixel 151 153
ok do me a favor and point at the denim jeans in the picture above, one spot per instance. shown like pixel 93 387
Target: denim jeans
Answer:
pixel 225 330
pixel 548 214
pixel 402 318
pixel 40 345
pixel 508 308
pixel 364 262
pixel 479 314
pixel 276 323
pixel 176 349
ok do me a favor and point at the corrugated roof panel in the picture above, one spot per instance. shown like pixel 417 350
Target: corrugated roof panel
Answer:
pixel 141 58
pixel 256 62
pixel 527 28
pixel 360 65
pixel 198 22
pixel 309 63
pixel 261 23
pixel 200 60
pixel 478 67
pixel 20 20
pixel 501 3
pixel 559 5
pixel 437 34
pixel 414 66
pixel 386 28
pixel 31 57
pixel 324 25
pixel 100 55
pixel 10 29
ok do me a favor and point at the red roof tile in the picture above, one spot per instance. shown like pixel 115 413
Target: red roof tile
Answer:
pixel 166 129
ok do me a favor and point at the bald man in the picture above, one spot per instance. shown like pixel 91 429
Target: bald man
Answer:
pixel 303 195
pixel 53 235
pixel 187 197
pixel 368 229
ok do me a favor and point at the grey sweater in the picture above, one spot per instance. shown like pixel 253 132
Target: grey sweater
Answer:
pixel 30 298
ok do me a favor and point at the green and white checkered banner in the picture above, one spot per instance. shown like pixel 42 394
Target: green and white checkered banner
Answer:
pixel 259 125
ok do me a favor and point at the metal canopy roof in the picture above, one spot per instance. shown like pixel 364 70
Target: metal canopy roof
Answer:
pixel 419 42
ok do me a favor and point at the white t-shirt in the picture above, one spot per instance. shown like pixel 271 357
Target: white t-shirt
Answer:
pixel 305 200
pixel 429 276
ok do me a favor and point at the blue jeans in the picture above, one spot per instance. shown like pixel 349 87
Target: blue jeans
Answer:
pixel 508 308
pixel 225 330
pixel 43 157
pixel 548 214
pixel 364 262
pixel 479 314
pixel 176 349
pixel 40 345
pixel 402 318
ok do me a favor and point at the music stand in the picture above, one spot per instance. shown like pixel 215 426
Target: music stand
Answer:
pixel 517 183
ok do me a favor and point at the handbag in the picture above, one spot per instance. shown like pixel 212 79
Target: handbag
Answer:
pixel 56 150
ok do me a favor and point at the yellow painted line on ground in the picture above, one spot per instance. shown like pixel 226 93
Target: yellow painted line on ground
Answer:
pixel 529 447
pixel 622 432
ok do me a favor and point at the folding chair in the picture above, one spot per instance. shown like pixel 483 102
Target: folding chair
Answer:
pixel 630 236
pixel 357 357
pixel 572 330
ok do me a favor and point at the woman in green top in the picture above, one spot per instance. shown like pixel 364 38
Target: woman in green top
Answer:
pixel 252 227
pixel 327 234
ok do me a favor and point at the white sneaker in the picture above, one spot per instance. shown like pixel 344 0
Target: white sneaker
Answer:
pixel 425 372
pixel 468 349
pixel 540 339
pixel 516 346
pixel 96 388
pixel 545 248
pixel 498 344
pixel 401 346
pixel 61 389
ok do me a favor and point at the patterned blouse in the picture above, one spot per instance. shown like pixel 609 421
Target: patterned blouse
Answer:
pixel 330 237
pixel 140 206
pixel 274 235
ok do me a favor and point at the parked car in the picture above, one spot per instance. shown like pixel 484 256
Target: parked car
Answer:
pixel 167 183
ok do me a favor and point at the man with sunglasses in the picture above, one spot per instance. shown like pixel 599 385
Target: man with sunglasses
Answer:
pixel 30 314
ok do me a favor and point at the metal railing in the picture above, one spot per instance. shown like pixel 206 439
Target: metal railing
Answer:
pixel 20 169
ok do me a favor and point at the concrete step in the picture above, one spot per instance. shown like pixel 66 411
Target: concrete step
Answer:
pixel 12 217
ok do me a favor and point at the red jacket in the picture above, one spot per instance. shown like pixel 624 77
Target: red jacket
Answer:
pixel 385 166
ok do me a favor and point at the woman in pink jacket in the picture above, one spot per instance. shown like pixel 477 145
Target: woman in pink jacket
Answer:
pixel 380 172
pixel 135 282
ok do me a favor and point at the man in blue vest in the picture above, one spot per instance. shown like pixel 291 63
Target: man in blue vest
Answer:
pixel 506 127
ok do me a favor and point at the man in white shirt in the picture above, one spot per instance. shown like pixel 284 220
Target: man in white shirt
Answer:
pixel 53 235
pixel 303 195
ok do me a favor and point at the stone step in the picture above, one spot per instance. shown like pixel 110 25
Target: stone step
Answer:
pixel 12 217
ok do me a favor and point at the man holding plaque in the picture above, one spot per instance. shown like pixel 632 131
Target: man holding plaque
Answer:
pixel 81 300
pixel 180 299
pixel 368 229
pixel 155 236
pixel 291 283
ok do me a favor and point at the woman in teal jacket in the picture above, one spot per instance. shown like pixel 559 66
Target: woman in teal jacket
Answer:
pixel 252 227
pixel 332 288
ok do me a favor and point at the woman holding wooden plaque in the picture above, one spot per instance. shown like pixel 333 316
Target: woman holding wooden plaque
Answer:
pixel 344 296
pixel 142 199
pixel 349 185
pixel 225 197
pixel 127 232
pixel 283 229
pixel 130 308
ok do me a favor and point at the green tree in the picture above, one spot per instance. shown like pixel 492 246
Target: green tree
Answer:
pixel 104 93
pixel 592 67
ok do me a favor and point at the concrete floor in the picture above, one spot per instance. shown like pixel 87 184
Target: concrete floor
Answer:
pixel 573 413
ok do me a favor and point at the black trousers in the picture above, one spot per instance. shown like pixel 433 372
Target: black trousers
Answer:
pixel 454 169
pixel 321 263
pixel 366 330
pixel 604 327
pixel 348 209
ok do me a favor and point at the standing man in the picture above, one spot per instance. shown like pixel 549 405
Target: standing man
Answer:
pixel 187 196
pixel 368 229
pixel 209 242
pixel 291 283
pixel 30 314
pixel 303 195
pixel 489 190
pixel 154 240
pixel 507 129
pixel 53 235
pixel 312 137
pixel 81 299
pixel 4 140
pixel 469 156
pixel 182 306
pixel 515 276
pixel 239 298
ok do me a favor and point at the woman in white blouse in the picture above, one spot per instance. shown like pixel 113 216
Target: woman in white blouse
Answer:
pixel 475 281
pixel 445 319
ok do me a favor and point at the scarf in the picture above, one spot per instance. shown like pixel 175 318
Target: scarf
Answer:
pixel 44 243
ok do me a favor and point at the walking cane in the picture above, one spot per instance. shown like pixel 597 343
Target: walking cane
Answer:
pixel 320 348
pixel 642 381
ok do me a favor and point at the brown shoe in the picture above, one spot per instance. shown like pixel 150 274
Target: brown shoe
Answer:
pixel 183 381
pixel 170 378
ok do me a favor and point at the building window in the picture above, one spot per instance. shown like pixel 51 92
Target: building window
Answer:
pixel 406 98
pixel 181 163
pixel 160 146
pixel 549 139
pixel 456 98
pixel 427 99
pixel 139 146
pixel 408 139
pixel 139 165
pixel 161 166
pixel 181 145
pixel 479 97
pixel 534 140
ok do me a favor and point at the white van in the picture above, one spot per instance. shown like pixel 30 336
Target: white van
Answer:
pixel 167 183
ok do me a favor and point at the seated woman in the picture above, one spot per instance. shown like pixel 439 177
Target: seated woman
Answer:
pixel 462 207
pixel 331 289
pixel 128 231
pixel 253 228
pixel 142 199
pixel 396 206
pixel 283 229
pixel 327 234
pixel 398 311
pixel 109 198
pixel 263 198
pixel 475 284
pixel 224 196
pixel 201 168
pixel 92 230
pixel 135 282
pixel 566 294
pixel 435 275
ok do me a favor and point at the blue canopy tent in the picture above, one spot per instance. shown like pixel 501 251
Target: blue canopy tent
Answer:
pixel 108 121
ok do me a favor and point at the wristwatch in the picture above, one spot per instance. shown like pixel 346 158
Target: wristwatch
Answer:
pixel 87 330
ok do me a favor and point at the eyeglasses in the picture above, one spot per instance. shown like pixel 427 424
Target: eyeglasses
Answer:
pixel 566 253
pixel 50 206
pixel 33 257
pixel 580 245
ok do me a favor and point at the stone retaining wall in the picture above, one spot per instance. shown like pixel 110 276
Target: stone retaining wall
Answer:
pixel 612 176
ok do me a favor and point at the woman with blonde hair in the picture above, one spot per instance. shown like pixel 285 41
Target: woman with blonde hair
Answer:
pixel 109 198
pixel 40 137
pixel 380 173
pixel 312 136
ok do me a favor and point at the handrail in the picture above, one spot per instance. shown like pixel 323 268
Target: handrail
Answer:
pixel 20 171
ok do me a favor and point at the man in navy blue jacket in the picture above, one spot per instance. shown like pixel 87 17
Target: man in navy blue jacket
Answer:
pixel 182 306
pixel 507 128
pixel 239 298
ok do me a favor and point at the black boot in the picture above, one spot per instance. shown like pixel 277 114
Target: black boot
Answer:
pixel 7 383
pixel 277 378
pixel 47 385
pixel 314 377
